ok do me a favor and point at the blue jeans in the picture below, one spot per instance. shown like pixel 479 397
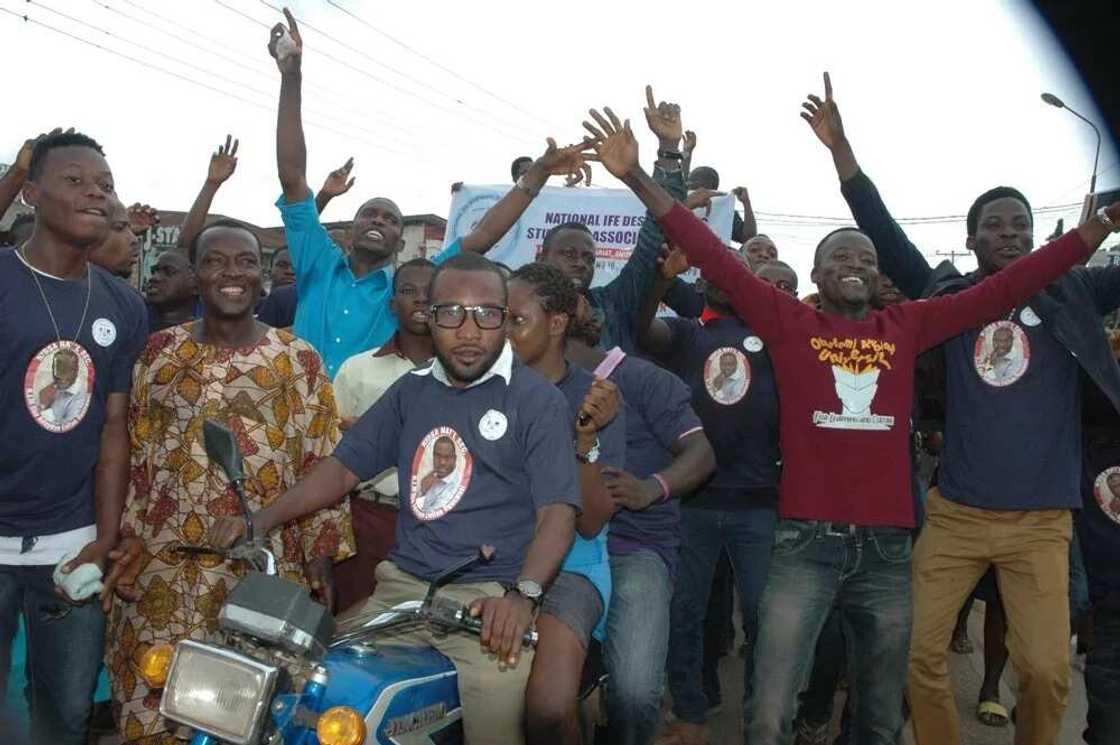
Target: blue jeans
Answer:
pixel 748 536
pixel 865 574
pixel 636 644
pixel 64 647
pixel 1102 679
pixel 829 663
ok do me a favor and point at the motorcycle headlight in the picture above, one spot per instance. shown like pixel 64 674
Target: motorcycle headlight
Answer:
pixel 220 692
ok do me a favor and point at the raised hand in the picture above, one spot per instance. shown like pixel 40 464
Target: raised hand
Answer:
pixel 664 120
pixel 614 142
pixel 741 194
pixel 142 218
pixel 570 161
pixel 223 162
pixel 23 157
pixel 286 45
pixel 339 180
pixel 1059 229
pixel 689 143
pixel 698 198
pixel 672 261
pixel 824 117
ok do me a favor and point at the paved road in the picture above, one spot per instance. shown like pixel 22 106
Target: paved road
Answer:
pixel 967 671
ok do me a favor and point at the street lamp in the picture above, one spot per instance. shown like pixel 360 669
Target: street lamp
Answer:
pixel 1056 102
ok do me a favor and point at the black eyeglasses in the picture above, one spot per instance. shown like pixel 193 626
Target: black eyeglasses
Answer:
pixel 452 315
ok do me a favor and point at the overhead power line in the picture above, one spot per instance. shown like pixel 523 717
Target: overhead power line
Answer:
pixel 437 64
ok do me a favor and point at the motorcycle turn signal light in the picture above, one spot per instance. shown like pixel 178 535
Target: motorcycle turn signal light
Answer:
pixel 155 664
pixel 341 725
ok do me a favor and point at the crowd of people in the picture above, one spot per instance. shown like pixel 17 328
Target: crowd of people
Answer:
pixel 633 471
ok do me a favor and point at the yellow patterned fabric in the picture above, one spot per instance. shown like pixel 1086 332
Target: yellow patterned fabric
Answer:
pixel 278 401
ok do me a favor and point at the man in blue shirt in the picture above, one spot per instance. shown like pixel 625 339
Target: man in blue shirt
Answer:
pixel 511 484
pixel 344 300
pixel 70 333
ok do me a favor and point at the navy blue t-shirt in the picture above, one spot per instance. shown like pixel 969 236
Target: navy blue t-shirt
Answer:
pixel 474 465
pixel 278 310
pixel 53 393
pixel 733 392
pixel 657 415
pixel 1013 417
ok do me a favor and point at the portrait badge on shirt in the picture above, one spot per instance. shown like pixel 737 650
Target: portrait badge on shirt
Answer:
pixel 1106 488
pixel 58 386
pixel 727 375
pixel 1002 354
pixel 441 473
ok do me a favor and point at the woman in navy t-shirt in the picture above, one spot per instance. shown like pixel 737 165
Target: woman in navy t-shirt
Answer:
pixel 543 304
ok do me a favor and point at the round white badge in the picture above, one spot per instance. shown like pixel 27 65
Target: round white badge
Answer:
pixel 104 332
pixel 752 344
pixel 493 425
pixel 1029 317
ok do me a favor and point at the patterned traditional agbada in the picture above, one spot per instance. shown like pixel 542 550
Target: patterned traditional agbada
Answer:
pixel 277 400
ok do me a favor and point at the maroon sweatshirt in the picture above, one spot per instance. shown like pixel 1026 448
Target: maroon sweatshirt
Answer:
pixel 845 387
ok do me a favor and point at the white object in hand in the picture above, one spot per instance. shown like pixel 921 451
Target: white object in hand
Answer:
pixel 285 46
pixel 82 583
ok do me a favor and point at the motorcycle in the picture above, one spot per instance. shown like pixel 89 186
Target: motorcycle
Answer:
pixel 283 674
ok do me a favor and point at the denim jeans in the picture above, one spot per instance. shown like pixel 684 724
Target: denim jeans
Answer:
pixel 865 574
pixel 829 664
pixel 1102 679
pixel 748 536
pixel 636 644
pixel 64 647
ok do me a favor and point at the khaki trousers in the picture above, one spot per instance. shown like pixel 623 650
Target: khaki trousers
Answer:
pixel 1030 553
pixel 492 694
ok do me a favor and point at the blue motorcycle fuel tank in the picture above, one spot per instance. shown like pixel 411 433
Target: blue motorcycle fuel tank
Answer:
pixel 407 694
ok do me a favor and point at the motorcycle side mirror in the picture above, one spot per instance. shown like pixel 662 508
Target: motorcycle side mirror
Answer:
pixel 221 447
pixel 485 554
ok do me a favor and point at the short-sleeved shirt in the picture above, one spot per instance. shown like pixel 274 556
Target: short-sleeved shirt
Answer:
pixel 54 393
pixel 475 464
pixel 278 310
pixel 338 314
pixel 589 557
pixel 360 382
pixel 726 365
pixel 658 414
pixel 1013 422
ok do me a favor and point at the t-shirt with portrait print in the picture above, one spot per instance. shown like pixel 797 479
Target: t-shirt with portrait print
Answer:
pixel 725 364
pixel 474 466
pixel 1013 417
pixel 53 391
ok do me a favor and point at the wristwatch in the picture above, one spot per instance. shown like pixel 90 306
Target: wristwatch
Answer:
pixel 530 589
pixel 592 454
pixel 1106 220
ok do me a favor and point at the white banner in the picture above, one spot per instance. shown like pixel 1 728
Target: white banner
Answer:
pixel 614 217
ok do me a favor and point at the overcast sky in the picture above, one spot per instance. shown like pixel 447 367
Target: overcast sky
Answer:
pixel 940 100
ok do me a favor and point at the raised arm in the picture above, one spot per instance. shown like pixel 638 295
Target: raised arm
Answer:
pixel 750 225
pixel 947 316
pixel 899 259
pixel 286 47
pixel 652 333
pixel 637 275
pixel 501 217
pixel 11 183
pixel 755 301
pixel 223 162
pixel 338 183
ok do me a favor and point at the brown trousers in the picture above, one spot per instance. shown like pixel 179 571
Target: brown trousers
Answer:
pixel 492 694
pixel 1030 553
